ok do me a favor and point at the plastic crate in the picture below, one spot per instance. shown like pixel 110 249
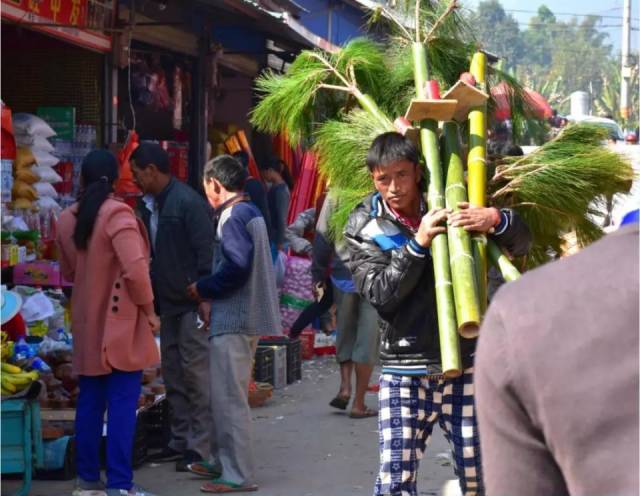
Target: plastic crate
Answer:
pixel 21 440
pixel 307 338
pixel 263 366
pixel 140 445
pixel 157 423
pixel 294 355
pixel 279 365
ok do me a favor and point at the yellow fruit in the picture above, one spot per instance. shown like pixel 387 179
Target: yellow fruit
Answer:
pixel 7 385
pixel 32 375
pixel 10 369
pixel 17 380
pixel 6 392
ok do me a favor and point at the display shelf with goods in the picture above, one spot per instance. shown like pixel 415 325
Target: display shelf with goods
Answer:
pixel 43 172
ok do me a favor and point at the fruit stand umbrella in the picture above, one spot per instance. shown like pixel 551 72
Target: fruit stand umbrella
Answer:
pixel 537 102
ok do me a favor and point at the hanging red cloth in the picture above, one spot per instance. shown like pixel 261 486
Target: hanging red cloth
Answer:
pixel 305 190
pixel 126 186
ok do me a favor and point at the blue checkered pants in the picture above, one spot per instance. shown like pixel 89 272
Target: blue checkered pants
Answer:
pixel 409 408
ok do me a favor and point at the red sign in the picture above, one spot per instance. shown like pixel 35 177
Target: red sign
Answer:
pixel 58 18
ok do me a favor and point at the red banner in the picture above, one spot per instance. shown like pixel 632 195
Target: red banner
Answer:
pixel 65 12
pixel 62 18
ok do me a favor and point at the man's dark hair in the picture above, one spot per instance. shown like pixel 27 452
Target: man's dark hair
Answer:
pixel 228 171
pixel 389 148
pixel 242 157
pixel 512 150
pixel 149 153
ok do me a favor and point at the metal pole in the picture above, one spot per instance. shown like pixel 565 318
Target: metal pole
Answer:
pixel 330 22
pixel 626 63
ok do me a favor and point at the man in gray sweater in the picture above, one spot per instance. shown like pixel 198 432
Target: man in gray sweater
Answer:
pixel 244 306
pixel 557 376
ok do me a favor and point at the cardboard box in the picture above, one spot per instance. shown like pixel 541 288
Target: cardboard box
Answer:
pixel 43 273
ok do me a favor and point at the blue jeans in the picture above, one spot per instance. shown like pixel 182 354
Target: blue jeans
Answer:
pixel 117 393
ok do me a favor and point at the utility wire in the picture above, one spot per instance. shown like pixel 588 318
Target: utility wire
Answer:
pixel 571 14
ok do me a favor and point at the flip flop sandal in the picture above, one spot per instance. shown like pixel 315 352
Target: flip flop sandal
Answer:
pixel 204 469
pixel 366 414
pixel 340 402
pixel 219 486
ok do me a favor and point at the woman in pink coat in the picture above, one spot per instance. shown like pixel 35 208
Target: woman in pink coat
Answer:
pixel 104 250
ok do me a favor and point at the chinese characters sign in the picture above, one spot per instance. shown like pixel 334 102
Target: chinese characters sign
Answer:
pixel 62 18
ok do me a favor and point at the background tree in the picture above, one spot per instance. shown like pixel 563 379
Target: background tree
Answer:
pixel 497 31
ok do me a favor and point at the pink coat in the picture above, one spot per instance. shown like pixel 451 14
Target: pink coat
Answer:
pixel 112 292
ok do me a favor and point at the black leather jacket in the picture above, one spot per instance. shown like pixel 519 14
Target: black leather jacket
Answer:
pixel 399 282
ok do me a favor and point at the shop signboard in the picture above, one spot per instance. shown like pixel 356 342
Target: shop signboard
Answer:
pixel 61 119
pixel 66 19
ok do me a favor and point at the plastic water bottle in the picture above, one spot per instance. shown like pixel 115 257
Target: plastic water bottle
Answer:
pixel 40 365
pixel 63 336
pixel 22 351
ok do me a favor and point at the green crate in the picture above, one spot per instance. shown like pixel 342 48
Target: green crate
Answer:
pixel 21 448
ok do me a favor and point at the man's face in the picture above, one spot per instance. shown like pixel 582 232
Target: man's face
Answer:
pixel 144 178
pixel 212 190
pixel 267 175
pixel 398 183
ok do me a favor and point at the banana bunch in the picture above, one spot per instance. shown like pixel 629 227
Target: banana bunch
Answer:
pixel 6 349
pixel 14 379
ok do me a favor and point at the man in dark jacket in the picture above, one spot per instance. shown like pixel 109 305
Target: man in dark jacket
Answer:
pixel 388 236
pixel 181 231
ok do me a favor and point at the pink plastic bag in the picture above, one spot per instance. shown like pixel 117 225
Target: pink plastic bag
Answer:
pixel 297 290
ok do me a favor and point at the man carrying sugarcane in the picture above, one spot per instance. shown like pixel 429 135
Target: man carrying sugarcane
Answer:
pixel 389 236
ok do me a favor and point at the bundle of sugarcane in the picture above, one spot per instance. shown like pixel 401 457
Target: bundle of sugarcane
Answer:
pixel 562 187
pixel 342 101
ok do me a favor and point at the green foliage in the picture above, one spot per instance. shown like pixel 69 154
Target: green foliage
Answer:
pixel 498 31
pixel 292 102
pixel 562 187
pixel 289 100
pixel 342 147
pixel 607 102
pixel 346 201
pixel 550 56
pixel 446 60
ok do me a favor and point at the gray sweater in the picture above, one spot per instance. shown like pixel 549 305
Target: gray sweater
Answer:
pixel 242 288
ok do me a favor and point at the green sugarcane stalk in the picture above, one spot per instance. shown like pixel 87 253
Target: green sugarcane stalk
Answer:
pixel 368 104
pixel 502 262
pixel 447 328
pixel 465 290
pixel 478 173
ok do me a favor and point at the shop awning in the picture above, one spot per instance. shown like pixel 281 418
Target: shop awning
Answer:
pixel 279 25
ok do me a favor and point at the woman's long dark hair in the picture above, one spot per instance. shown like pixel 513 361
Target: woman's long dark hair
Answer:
pixel 99 172
pixel 280 167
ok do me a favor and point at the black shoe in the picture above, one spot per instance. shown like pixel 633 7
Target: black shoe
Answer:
pixel 189 457
pixel 166 455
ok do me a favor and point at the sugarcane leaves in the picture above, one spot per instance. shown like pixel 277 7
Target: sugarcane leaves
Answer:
pixel 561 188
pixel 347 200
pixel 342 147
pixel 290 101
pixel 435 19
